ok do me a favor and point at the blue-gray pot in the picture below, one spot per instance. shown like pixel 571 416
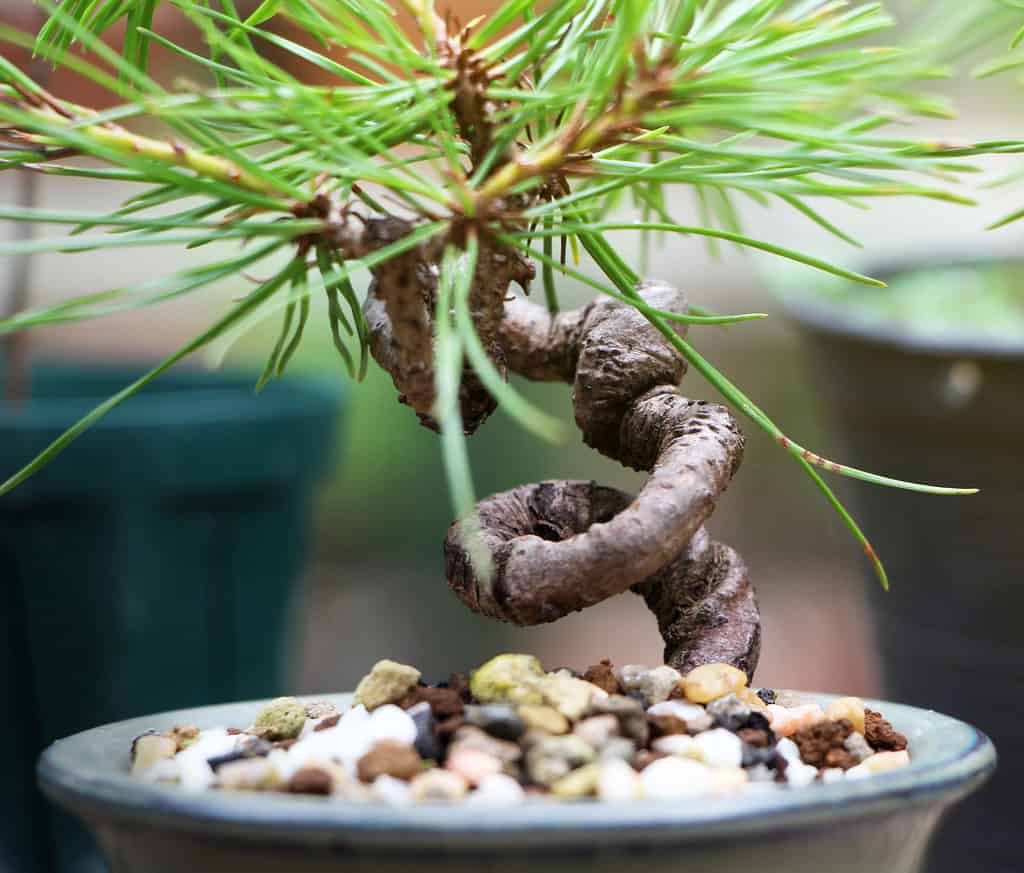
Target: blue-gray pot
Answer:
pixel 883 824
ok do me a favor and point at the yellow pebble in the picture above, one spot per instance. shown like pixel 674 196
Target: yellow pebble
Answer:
pixel 711 681
pixel 750 698
pixel 850 708
pixel 544 718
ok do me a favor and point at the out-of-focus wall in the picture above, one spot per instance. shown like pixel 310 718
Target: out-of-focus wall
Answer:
pixel 376 587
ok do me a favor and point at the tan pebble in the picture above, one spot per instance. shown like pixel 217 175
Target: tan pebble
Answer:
pixel 570 696
pixel 544 718
pixel 750 698
pixel 311 780
pixel 247 774
pixel 711 681
pixel 850 708
pixel 786 722
pixel 151 748
pixel 472 737
pixel 472 765
pixel 581 782
pixel 881 762
pixel 389 758
pixel 436 784
pixel 789 699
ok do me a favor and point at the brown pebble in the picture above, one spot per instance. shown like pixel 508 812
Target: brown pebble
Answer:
pixel 759 738
pixel 881 735
pixel 444 702
pixel 446 729
pixel 459 683
pixel 840 758
pixel 310 780
pixel 678 693
pixel 603 676
pixel 665 725
pixel 646 757
pixel 184 735
pixel 817 740
pixel 329 722
pixel 234 732
pixel 389 758
pixel 286 744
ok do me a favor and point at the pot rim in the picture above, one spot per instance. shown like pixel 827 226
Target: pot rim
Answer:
pixel 88 774
pixel 833 318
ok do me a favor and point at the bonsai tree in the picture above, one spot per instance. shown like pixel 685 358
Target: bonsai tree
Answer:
pixel 446 159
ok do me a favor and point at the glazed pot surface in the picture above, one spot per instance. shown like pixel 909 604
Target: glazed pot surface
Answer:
pixel 882 824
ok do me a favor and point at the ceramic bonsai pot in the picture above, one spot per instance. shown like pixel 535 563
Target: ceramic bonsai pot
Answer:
pixel 944 410
pixel 880 824
pixel 164 540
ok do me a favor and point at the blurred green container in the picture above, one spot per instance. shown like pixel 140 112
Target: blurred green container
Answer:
pixel 149 567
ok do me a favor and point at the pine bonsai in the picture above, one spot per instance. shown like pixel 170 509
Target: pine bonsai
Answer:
pixel 447 159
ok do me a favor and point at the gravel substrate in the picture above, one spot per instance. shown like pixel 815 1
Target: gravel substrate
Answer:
pixel 511 732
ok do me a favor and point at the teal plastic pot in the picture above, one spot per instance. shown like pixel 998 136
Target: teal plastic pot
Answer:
pixel 151 565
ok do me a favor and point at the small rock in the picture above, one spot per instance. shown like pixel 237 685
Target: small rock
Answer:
pixel 787 721
pixel 603 676
pixel 427 742
pixel 670 778
pixel 800 775
pixel 728 780
pixel 729 712
pixel 655 684
pixel 767 695
pixel 751 699
pixel 498 719
pixel 247 774
pixel 645 757
pixel 393 792
pixel 719 748
pixel 184 735
pixel 832 774
pixel 711 681
pixel 552 758
pixel 148 749
pixel 682 745
pixel 758 756
pixel 821 744
pixel 470 737
pixel 508 679
pixel 629 712
pixel 281 719
pixel 695 717
pixel 881 735
pixel 618 749
pixel 435 785
pixel 543 718
pixel 665 725
pixel 849 708
pixel 617 781
pixel 570 696
pixel 759 738
pixel 311 780
pixel 882 762
pixel 497 790
pixel 325 724
pixel 317 709
pixel 444 702
pixel 387 682
pixel 858 747
pixel 472 765
pixel 389 722
pixel 581 782
pixel 597 729
pixel 789 699
pixel 389 758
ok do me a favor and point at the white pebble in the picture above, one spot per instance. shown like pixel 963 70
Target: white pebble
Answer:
pixel 800 775
pixel 618 781
pixel 681 709
pixel 719 748
pixel 390 722
pixel 789 750
pixel 194 774
pixel 682 745
pixel 162 771
pixel 391 791
pixel 669 778
pixel 497 790
pixel 832 774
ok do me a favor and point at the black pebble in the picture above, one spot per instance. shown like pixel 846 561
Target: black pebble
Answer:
pixel 497 719
pixel 253 747
pixel 767 695
pixel 752 756
pixel 758 721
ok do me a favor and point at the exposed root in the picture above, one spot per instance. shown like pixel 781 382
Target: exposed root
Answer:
pixel 558 547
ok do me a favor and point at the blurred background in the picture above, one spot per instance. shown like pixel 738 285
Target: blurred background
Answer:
pixel 372 584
